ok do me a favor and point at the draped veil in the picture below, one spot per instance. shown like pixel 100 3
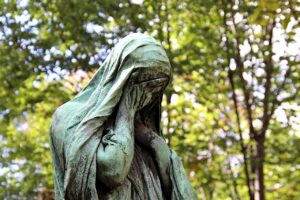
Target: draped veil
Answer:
pixel 77 126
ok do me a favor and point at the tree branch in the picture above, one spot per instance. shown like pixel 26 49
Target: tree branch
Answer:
pixel 240 66
pixel 269 70
pixel 232 85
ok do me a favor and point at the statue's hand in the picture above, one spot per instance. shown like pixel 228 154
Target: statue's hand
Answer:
pixel 139 94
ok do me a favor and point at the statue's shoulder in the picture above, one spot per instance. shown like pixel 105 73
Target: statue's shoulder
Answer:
pixel 62 115
pixel 62 112
pixel 58 114
pixel 58 120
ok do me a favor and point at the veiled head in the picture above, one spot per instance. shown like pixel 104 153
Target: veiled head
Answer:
pixel 136 56
pixel 151 75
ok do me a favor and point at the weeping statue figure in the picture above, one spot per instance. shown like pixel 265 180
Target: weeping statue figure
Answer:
pixel 106 143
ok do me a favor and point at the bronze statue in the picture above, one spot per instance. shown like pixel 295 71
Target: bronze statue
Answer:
pixel 106 143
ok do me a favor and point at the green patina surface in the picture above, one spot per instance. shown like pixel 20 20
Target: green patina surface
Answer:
pixel 106 143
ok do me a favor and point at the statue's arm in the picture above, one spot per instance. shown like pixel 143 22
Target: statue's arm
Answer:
pixel 162 156
pixel 173 176
pixel 115 153
pixel 159 148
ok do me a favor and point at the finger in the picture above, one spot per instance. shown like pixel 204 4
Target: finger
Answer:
pixel 133 77
pixel 135 97
pixel 142 100
pixel 153 83
pixel 148 99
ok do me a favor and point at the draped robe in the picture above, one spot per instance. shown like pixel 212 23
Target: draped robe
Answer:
pixel 77 131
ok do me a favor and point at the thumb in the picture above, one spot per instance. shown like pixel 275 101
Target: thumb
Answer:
pixel 132 78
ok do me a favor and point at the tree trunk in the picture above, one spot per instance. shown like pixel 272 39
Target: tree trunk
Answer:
pixel 259 172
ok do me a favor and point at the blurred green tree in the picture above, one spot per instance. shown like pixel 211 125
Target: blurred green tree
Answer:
pixel 231 112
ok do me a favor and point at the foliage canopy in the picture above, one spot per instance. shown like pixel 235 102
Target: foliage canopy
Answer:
pixel 232 111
